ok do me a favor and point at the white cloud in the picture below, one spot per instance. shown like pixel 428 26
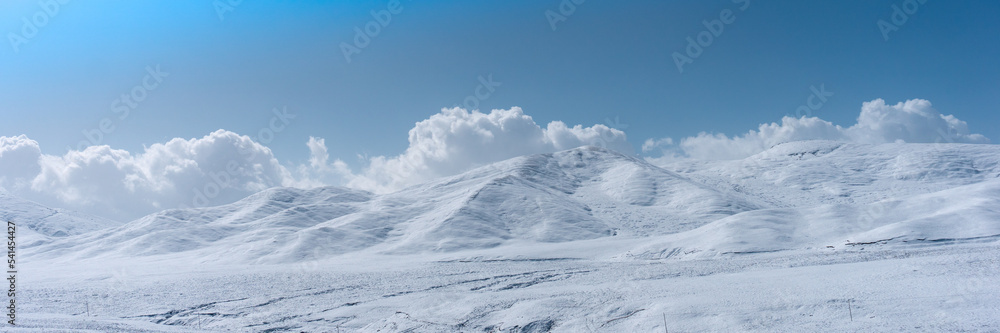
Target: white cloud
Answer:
pixel 318 172
pixel 456 140
pixel 218 168
pixel 911 121
pixel 18 161
pixel 652 144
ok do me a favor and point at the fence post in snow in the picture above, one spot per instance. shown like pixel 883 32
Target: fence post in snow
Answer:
pixel 849 312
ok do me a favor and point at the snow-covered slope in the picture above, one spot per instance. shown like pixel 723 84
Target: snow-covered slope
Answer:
pixel 266 219
pixel 37 224
pixel 808 173
pixel 577 194
pixel 965 213
pixel 836 194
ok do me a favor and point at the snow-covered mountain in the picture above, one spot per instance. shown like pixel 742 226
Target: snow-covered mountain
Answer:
pixel 795 195
pixel 808 173
pixel 578 194
pixel 833 194
pixel 964 213
pixel 37 223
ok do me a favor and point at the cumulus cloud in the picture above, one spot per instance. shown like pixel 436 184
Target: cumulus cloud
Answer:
pixel 652 144
pixel 913 121
pixel 457 140
pixel 218 168
pixel 318 172
pixel 18 161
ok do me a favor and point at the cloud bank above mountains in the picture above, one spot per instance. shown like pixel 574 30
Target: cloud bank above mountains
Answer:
pixel 457 140
pixel 914 121
pixel 117 184
pixel 223 166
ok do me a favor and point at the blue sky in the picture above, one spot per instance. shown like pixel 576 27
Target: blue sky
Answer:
pixel 605 62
